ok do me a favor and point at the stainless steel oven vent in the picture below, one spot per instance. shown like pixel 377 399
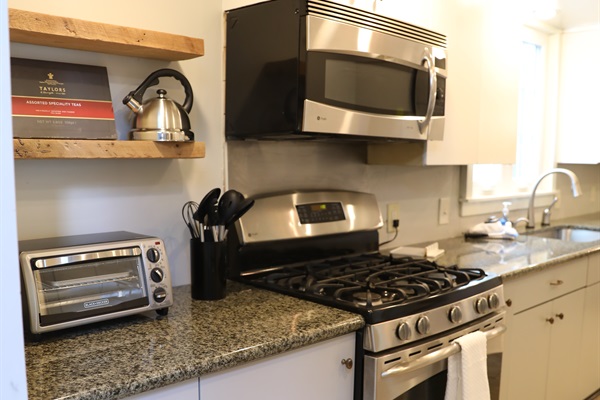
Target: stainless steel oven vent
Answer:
pixel 350 15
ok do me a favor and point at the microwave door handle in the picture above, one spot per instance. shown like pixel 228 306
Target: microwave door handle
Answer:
pixel 430 65
pixel 432 358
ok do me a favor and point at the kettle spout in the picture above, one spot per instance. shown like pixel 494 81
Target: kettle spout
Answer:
pixel 132 103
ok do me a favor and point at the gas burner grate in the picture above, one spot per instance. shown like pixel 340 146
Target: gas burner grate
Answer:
pixel 371 280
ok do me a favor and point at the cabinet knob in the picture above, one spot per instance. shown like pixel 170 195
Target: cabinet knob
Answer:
pixel 551 320
pixel 347 362
pixel 561 316
pixel 509 302
pixel 557 282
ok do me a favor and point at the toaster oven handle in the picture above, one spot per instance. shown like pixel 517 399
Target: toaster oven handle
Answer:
pixel 89 256
pixel 432 358
pixel 430 64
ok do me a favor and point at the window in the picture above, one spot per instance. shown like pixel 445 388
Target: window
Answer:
pixel 487 185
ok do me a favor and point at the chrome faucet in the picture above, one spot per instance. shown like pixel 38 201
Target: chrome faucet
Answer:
pixel 575 188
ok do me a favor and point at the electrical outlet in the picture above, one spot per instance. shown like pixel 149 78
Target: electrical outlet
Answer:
pixel 444 211
pixel 393 212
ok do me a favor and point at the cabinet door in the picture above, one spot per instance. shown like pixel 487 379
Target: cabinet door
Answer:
pixel 482 88
pixel 312 372
pixel 578 140
pixel 565 362
pixel 527 346
pixel 590 342
pixel 187 390
pixel 413 12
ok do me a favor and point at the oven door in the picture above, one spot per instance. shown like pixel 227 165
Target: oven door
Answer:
pixel 419 372
pixel 366 83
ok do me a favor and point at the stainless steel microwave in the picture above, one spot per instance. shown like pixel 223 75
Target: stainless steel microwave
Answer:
pixel 326 69
pixel 75 280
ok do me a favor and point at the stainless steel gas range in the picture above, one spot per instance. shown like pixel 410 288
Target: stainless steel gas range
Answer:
pixel 323 246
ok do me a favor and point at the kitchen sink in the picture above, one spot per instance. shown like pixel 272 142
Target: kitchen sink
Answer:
pixel 569 234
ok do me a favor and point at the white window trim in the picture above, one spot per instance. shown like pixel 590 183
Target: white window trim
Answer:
pixel 493 205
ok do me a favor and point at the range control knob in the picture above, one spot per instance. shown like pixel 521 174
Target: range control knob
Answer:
pixel 153 254
pixel 160 294
pixel 455 315
pixel 423 325
pixel 157 275
pixel 493 301
pixel 481 305
pixel 403 331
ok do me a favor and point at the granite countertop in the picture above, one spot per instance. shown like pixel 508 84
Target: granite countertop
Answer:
pixel 119 358
pixel 525 254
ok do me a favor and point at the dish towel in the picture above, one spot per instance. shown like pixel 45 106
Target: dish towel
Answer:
pixel 493 230
pixel 467 370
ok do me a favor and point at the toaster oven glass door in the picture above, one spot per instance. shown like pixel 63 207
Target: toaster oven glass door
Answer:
pixel 80 289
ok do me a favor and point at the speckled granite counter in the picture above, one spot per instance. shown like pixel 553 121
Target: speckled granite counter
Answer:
pixel 117 359
pixel 513 258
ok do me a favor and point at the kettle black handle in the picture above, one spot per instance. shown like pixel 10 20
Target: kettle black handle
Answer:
pixel 152 80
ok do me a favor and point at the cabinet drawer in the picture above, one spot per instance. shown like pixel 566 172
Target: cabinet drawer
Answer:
pixel 541 286
pixel 593 274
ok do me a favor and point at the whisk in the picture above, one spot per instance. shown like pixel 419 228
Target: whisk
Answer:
pixel 187 212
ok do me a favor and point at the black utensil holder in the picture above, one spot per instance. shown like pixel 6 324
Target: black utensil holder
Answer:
pixel 208 264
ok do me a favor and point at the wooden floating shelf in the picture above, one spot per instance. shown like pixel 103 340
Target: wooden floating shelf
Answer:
pixel 90 149
pixel 69 33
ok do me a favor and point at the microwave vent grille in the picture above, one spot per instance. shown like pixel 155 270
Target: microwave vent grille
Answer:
pixel 339 12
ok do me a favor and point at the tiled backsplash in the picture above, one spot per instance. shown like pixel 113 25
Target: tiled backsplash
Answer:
pixel 263 167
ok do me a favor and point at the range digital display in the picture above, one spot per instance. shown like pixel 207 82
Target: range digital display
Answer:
pixel 315 213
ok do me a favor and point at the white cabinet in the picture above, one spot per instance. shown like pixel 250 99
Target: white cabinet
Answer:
pixel 543 357
pixel 186 390
pixel 312 372
pixel 482 89
pixel 590 341
pixel 545 364
pixel 578 140
pixel 419 13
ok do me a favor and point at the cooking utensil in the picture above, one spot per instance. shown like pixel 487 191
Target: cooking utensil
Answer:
pixel 206 205
pixel 241 209
pixel 228 205
pixel 161 118
pixel 187 212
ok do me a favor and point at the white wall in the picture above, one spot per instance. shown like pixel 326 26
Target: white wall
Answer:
pixel 12 359
pixel 67 197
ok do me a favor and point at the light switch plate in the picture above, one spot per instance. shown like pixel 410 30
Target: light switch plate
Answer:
pixel 444 211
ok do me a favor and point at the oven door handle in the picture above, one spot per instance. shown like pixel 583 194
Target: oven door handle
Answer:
pixel 431 358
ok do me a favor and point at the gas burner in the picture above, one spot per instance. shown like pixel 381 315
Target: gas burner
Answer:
pixel 371 284
pixel 367 298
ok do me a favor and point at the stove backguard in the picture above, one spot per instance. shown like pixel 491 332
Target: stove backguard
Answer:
pixel 301 226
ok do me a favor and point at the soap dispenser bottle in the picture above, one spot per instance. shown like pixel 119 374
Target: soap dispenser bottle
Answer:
pixel 505 212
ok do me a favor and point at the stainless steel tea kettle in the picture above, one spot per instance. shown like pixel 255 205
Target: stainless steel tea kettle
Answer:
pixel 160 118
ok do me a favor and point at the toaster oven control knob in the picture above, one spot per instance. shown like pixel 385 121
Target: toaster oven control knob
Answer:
pixel 157 275
pixel 493 301
pixel 481 305
pixel 403 331
pixel 153 254
pixel 160 294
pixel 423 325
pixel 455 315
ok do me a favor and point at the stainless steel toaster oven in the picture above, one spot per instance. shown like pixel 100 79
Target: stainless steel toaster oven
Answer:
pixel 75 280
